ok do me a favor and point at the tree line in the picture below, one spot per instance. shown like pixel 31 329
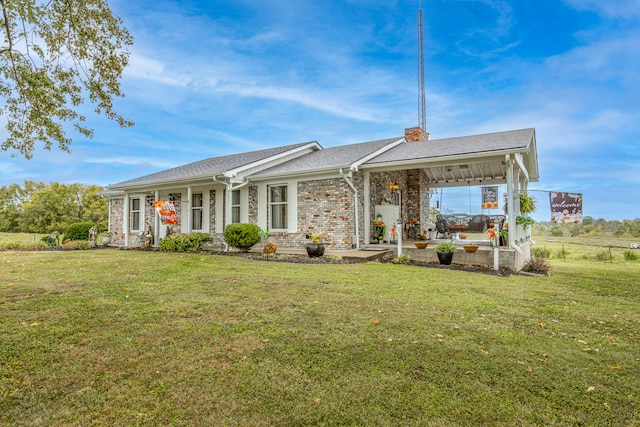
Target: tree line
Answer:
pixel 36 207
pixel 592 228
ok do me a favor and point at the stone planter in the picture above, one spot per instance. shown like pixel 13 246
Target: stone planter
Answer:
pixel 315 249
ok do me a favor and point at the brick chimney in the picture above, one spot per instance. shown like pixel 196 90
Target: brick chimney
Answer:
pixel 416 134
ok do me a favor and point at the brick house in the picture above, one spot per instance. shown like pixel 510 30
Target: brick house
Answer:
pixel 296 189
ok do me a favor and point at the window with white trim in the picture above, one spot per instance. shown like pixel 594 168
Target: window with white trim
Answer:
pixel 278 207
pixel 196 211
pixel 134 214
pixel 235 206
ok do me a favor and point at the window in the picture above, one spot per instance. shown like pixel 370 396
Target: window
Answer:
pixel 278 207
pixel 196 211
pixel 134 215
pixel 235 206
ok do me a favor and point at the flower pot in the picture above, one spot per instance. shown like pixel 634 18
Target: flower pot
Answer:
pixel 445 257
pixel 470 248
pixel 315 249
pixel 421 245
pixel 106 240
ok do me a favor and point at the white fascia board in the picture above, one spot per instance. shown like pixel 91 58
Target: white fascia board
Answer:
pixel 355 165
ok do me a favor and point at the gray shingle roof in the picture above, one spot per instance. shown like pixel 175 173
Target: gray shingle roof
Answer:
pixel 209 167
pixel 332 157
pixel 342 156
pixel 489 142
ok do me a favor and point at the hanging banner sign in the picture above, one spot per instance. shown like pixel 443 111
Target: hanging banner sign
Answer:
pixel 490 197
pixel 566 208
pixel 167 212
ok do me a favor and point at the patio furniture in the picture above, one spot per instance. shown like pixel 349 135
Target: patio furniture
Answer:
pixel 442 228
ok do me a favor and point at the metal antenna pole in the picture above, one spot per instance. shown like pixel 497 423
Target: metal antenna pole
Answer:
pixel 422 120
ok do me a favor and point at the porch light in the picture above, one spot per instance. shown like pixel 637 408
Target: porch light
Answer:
pixel 393 186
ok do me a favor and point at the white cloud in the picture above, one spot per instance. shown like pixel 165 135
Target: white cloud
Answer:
pixel 618 9
pixel 130 161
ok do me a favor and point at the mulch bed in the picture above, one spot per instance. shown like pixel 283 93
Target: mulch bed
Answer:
pixel 303 259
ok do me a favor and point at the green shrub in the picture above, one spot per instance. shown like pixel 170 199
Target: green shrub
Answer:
pixel 630 256
pixel 78 231
pixel 556 232
pixel 402 259
pixel 562 254
pixel 538 252
pixel 191 242
pixel 242 236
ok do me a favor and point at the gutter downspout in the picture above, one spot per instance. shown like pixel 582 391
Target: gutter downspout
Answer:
pixel 355 195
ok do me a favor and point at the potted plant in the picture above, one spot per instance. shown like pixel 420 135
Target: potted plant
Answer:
pixel 316 247
pixel 378 230
pixel 504 235
pixel 527 203
pixel 445 251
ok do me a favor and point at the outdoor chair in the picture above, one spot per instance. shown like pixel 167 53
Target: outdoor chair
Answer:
pixel 442 230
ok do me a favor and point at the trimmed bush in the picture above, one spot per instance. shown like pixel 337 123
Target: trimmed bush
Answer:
pixel 242 236
pixel 191 242
pixel 79 231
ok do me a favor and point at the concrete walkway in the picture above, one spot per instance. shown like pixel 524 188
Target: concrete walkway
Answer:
pixel 368 253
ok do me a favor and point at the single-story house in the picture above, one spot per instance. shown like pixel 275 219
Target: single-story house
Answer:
pixel 296 189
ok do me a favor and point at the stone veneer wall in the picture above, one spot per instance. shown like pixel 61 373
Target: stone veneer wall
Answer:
pixel 212 213
pixel 116 207
pixel 253 205
pixel 413 184
pixel 380 194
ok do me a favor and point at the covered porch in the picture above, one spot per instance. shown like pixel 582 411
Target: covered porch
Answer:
pixel 400 185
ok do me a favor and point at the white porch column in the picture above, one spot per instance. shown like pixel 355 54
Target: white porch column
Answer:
pixel 188 209
pixel 156 222
pixel 125 219
pixel 510 199
pixel 228 204
pixel 367 207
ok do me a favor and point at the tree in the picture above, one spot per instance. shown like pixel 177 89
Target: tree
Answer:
pixel 41 208
pixel 53 54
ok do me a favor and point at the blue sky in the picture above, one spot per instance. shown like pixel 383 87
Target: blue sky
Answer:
pixel 209 78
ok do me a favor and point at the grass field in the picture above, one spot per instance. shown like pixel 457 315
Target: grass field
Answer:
pixel 113 337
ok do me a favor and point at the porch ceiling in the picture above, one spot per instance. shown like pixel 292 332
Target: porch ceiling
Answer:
pixel 490 171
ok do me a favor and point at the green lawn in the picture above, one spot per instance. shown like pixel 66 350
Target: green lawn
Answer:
pixel 111 337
